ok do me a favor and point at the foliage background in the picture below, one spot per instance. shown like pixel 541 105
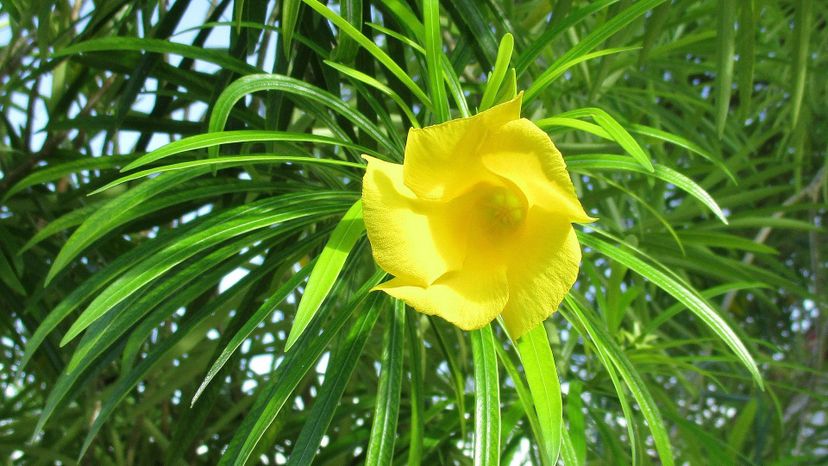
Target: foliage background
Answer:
pixel 115 305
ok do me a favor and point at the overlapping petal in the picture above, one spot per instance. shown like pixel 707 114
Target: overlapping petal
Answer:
pixel 468 298
pixel 542 274
pixel 443 161
pixel 410 238
pixel 522 153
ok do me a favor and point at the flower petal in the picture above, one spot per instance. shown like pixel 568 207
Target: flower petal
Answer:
pixel 522 153
pixel 543 273
pixel 469 299
pixel 410 238
pixel 442 161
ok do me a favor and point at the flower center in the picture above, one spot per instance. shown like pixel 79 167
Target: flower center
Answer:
pixel 503 208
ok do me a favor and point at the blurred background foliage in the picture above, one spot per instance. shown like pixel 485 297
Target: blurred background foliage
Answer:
pixel 147 323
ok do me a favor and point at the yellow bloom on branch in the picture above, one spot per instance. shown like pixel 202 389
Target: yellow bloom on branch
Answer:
pixel 477 221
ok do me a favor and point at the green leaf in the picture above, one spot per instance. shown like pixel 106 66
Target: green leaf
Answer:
pixel 680 291
pixel 653 30
pixel 213 139
pixel 170 346
pixel 592 40
pixel 9 277
pixel 263 82
pixel 802 39
pixel 265 310
pixel 115 44
pixel 91 286
pixel 746 48
pixel 508 90
pixel 149 309
pixel 615 131
pixel 568 450
pixel 626 407
pixel 577 424
pixel 773 222
pixel 538 45
pixel 542 376
pixel 290 14
pixel 248 218
pixel 64 222
pixel 112 214
pixel 364 78
pixel 486 398
pixel 741 429
pixel 619 162
pixel 725 240
pixel 671 311
pixel 524 397
pixel 327 269
pixel 724 69
pixel 343 361
pixel 384 428
pixel 392 66
pixel 293 368
pixel 610 350
pixel 504 56
pixel 682 142
pixel 450 77
pixel 226 162
pixel 458 378
pixel 434 53
pixel 57 171
pixel 417 389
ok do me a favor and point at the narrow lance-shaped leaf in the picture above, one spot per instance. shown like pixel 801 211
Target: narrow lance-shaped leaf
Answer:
pixel 747 55
pixel 615 130
pixel 524 397
pixel 802 38
pixel 595 38
pixel 617 162
pixel 434 53
pixel 115 44
pixel 679 291
pixel 384 427
pixel 372 48
pixel 249 218
pixel 575 415
pixel 273 82
pixel 371 81
pixel 602 351
pixel 213 139
pixel 535 47
pixel 486 398
pixel 250 325
pixel 504 55
pixel 9 276
pixel 455 370
pixel 542 376
pixel 724 70
pixel 417 389
pixel 327 269
pixel 342 364
pixel 170 345
pixel 229 161
pixel 290 14
pixel 273 396
pixel 99 223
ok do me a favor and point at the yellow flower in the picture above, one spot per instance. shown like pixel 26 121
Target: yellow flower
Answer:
pixel 477 221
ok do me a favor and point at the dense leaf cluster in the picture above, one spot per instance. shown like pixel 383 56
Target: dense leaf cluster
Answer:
pixel 184 278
